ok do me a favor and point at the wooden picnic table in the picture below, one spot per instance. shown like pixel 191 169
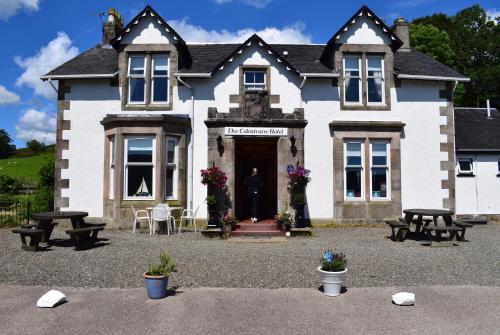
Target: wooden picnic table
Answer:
pixel 45 221
pixel 421 212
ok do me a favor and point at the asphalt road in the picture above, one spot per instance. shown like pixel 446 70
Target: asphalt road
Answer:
pixel 438 310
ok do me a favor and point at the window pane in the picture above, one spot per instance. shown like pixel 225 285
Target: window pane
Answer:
pixel 353 183
pixel 352 66
pixel 254 77
pixel 160 64
pixel 259 77
pixel 140 181
pixel 171 151
pixel 169 182
pixel 136 89
pixel 140 150
pixel 160 90
pixel 465 165
pixel 374 66
pixel 375 89
pixel 137 65
pixel 353 153
pixel 379 183
pixel 379 154
pixel 352 89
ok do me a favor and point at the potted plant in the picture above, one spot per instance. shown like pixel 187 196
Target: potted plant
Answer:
pixel 284 220
pixel 227 223
pixel 156 278
pixel 333 269
pixel 212 210
pixel 298 178
pixel 215 179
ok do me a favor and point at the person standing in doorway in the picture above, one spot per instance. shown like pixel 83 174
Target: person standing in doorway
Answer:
pixel 254 185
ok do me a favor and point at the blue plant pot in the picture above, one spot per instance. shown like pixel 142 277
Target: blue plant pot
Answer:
pixel 156 286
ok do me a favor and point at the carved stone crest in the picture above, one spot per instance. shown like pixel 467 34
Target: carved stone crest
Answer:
pixel 256 105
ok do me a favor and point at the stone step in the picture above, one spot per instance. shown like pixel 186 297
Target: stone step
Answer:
pixel 255 226
pixel 259 233
pixel 257 239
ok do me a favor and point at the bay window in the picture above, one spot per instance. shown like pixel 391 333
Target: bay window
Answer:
pixel 379 173
pixel 137 79
pixel 375 79
pixel 353 177
pixel 352 79
pixel 172 162
pixel 159 79
pixel 254 80
pixel 139 167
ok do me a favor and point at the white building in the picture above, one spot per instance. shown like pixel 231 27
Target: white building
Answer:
pixel 478 162
pixel 142 113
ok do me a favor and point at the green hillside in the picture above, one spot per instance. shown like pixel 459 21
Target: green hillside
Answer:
pixel 24 168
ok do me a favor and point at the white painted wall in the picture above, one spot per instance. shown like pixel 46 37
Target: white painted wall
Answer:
pixel 148 31
pixel 364 31
pixel 479 194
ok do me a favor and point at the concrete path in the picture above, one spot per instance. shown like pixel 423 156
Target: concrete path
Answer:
pixel 439 310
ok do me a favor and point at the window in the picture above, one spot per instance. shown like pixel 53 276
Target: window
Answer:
pixel 137 79
pixel 353 178
pixel 254 80
pixel 379 173
pixel 171 173
pixel 111 177
pixel 375 79
pixel 352 79
pixel 139 167
pixel 159 79
pixel 465 166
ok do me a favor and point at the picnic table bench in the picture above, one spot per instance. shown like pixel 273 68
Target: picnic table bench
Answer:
pixel 84 236
pixel 35 236
pixel 439 230
pixel 462 225
pixel 399 229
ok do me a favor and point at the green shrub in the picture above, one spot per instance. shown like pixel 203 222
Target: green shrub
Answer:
pixel 165 268
pixel 42 200
pixel 8 184
pixel 46 173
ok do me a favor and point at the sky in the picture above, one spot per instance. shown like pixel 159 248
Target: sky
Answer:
pixel 42 34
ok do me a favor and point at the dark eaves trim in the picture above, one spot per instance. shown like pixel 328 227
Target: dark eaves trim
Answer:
pixel 79 76
pixel 435 78
pixel 488 151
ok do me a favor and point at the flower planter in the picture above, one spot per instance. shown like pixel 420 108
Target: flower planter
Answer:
pixel 332 281
pixel 156 286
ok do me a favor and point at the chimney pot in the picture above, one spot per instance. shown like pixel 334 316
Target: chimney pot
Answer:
pixel 401 28
pixel 112 27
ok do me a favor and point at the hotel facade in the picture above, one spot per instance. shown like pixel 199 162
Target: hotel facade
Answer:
pixel 140 114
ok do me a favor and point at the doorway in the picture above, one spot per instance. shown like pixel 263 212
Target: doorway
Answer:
pixel 260 154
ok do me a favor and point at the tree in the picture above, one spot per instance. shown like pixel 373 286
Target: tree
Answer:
pixel 433 42
pixel 35 146
pixel 6 148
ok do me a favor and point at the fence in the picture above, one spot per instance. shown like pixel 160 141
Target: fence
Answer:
pixel 14 212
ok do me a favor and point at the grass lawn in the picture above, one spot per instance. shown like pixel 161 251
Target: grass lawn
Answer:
pixel 25 168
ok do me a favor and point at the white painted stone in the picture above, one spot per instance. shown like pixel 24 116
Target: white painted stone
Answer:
pixel 364 31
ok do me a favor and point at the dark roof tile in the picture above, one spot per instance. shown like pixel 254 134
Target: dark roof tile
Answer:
pixel 417 63
pixel 475 131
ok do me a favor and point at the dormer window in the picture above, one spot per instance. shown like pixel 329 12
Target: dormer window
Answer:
pixel 159 79
pixel 375 79
pixel 137 79
pixel 254 80
pixel 352 79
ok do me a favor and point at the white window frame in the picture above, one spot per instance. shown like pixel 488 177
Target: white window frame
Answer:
pixel 245 84
pixel 112 169
pixel 127 164
pixel 362 173
pixel 360 81
pixel 387 166
pixel 153 76
pixel 382 77
pixel 143 76
pixel 175 164
pixel 462 172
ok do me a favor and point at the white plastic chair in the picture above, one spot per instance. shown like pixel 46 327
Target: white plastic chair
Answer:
pixel 162 213
pixel 189 215
pixel 140 214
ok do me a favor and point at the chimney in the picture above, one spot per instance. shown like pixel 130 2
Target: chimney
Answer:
pixel 112 27
pixel 402 30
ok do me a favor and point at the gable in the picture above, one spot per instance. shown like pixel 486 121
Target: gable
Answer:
pixel 148 30
pixel 364 30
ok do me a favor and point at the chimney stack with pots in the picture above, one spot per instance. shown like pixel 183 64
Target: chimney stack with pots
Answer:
pixel 112 27
pixel 402 30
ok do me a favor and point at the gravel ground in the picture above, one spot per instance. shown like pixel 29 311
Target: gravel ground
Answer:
pixel 374 260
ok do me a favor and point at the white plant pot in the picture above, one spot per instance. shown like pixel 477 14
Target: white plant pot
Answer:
pixel 332 281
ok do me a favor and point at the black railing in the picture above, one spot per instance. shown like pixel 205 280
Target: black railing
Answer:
pixel 14 212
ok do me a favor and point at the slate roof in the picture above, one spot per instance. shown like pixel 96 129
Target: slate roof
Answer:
pixel 303 57
pixel 418 63
pixel 98 60
pixel 474 131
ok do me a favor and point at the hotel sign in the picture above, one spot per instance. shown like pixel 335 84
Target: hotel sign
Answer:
pixel 255 131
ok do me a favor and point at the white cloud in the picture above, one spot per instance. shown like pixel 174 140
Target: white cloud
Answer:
pixel 36 125
pixel 293 34
pixel 253 3
pixel 9 8
pixel 7 97
pixel 493 13
pixel 56 52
